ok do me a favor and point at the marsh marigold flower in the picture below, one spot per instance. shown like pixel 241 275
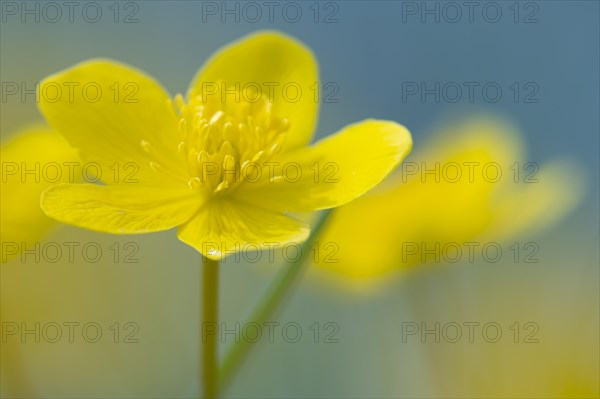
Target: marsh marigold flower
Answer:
pixel 32 159
pixel 24 158
pixel 225 168
pixel 472 182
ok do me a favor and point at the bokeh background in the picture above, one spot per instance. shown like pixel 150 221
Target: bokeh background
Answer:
pixel 368 49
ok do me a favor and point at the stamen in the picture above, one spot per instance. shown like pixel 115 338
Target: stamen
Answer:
pixel 156 167
pixel 228 134
pixel 216 117
pixel 146 146
pixel 221 187
pixel 202 157
pixel 179 101
pixel 194 183
pixel 183 126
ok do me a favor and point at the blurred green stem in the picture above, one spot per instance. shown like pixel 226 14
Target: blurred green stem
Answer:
pixel 210 319
pixel 273 300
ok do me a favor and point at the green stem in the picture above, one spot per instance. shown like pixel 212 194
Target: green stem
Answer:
pixel 210 319
pixel 269 304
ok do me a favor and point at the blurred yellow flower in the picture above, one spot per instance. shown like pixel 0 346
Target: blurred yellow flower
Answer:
pixel 32 161
pixel 223 165
pixel 469 185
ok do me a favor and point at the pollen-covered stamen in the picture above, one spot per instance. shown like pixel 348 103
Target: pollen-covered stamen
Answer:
pixel 157 160
pixel 223 135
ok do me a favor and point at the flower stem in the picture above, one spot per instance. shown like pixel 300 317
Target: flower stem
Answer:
pixel 269 304
pixel 210 319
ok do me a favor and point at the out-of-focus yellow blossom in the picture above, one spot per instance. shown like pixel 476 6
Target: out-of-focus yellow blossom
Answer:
pixel 250 136
pixel 22 222
pixel 39 289
pixel 32 161
pixel 450 192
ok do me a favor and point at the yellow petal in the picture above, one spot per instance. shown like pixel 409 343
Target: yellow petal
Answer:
pixel 116 116
pixel 224 227
pixel 334 171
pixel 31 161
pixel 275 64
pixel 119 209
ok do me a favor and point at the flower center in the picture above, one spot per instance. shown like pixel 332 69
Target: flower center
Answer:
pixel 225 138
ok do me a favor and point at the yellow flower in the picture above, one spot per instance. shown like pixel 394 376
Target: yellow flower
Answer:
pixel 226 163
pixel 31 162
pixel 470 184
